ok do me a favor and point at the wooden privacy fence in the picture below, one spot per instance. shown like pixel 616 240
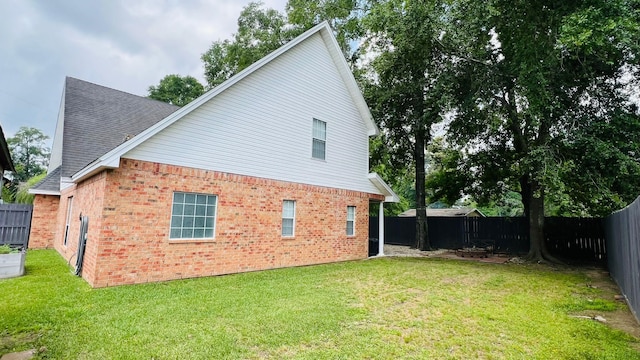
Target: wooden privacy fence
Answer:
pixel 15 224
pixel 623 249
pixel 569 238
pixel 576 238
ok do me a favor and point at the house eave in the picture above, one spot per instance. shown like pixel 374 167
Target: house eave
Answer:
pixel 7 164
pixel 112 162
pixel 385 189
pixel 43 192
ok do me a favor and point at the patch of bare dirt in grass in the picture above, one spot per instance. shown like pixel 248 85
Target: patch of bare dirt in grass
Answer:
pixel 10 342
pixel 621 319
pixel 406 251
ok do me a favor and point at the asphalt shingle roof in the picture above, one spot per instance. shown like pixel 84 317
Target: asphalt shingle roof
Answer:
pixel 51 182
pixel 96 120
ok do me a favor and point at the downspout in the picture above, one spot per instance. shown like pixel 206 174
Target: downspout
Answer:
pixel 381 229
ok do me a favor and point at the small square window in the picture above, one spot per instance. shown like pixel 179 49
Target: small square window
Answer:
pixel 193 216
pixel 288 218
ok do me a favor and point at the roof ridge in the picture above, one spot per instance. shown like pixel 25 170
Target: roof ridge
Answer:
pixel 120 91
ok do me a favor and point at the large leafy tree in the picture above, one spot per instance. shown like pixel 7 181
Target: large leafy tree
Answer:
pixel 30 157
pixel 407 85
pixel 29 153
pixel 541 93
pixel 344 16
pixel 400 178
pixel 446 176
pixel 260 31
pixel 176 90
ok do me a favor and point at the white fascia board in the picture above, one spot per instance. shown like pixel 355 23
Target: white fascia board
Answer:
pixel 107 161
pixel 349 80
pixel 385 189
pixel 111 159
pixel 43 192
pixel 65 182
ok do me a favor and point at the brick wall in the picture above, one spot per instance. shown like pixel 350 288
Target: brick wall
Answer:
pixel 87 200
pixel 43 221
pixel 133 244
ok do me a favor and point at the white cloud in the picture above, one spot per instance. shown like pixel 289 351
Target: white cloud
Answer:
pixel 127 45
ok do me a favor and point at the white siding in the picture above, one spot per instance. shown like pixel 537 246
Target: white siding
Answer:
pixel 262 126
pixel 55 159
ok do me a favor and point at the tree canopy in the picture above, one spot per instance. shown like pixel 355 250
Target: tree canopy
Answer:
pixel 29 153
pixel 260 31
pixel 30 157
pixel 176 90
pixel 536 85
pixel 406 87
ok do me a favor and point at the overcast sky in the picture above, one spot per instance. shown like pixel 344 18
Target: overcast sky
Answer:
pixel 123 44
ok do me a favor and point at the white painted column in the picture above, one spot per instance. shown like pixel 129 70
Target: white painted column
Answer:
pixel 381 230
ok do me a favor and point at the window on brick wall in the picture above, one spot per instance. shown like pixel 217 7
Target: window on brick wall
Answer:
pixel 68 221
pixel 288 218
pixel 193 216
pixel 319 143
pixel 351 220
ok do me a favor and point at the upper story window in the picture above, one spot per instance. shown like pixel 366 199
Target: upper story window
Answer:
pixel 319 139
pixel 193 216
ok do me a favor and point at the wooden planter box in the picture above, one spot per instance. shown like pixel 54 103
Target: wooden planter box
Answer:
pixel 12 265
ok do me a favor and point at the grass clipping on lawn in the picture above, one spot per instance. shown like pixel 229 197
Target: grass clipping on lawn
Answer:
pixel 384 308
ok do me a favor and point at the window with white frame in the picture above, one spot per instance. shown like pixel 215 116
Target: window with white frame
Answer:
pixel 288 218
pixel 319 145
pixel 193 216
pixel 351 220
pixel 68 222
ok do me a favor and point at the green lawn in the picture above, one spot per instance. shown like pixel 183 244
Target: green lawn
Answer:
pixel 388 308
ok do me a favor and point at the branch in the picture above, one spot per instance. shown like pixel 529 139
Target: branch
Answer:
pixel 453 53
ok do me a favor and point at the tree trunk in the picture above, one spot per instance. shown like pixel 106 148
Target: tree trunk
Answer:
pixel 535 199
pixel 525 193
pixel 537 245
pixel 422 235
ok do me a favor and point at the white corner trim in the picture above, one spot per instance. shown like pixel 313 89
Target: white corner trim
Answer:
pixel 385 189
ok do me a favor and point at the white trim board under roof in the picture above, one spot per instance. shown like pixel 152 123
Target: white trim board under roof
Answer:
pixel 385 189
